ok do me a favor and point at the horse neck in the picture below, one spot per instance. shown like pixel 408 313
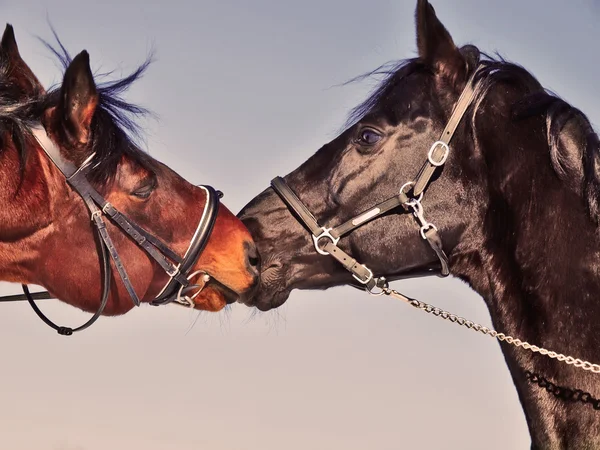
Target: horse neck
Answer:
pixel 28 209
pixel 535 262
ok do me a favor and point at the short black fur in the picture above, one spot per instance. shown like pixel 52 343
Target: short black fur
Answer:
pixel 517 205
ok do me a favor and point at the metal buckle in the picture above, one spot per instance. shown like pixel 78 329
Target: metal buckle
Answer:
pixel 174 272
pixel 444 156
pixel 326 233
pixel 368 279
pixel 95 214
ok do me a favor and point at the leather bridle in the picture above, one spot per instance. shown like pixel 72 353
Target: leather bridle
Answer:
pixel 409 198
pixel 178 288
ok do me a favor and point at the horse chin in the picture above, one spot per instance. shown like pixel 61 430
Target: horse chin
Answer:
pixel 266 297
pixel 214 297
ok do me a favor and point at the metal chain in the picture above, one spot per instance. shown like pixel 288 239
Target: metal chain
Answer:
pixel 564 393
pixel 585 365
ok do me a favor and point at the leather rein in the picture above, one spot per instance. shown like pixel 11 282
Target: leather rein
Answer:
pixel 409 198
pixel 177 290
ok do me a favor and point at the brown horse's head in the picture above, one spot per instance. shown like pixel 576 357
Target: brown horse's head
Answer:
pixel 46 236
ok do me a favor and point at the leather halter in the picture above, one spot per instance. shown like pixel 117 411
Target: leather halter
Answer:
pixel 409 198
pixel 176 267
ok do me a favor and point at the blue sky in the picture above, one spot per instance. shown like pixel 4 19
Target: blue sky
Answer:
pixel 245 91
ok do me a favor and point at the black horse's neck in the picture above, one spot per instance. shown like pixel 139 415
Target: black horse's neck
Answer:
pixel 535 259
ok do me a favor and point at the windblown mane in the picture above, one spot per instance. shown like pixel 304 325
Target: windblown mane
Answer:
pixel 114 130
pixel 573 144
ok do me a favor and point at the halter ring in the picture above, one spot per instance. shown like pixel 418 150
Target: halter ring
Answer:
pixel 408 203
pixel 186 300
pixel 325 233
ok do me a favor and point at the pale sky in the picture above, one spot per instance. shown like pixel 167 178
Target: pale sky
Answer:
pixel 245 91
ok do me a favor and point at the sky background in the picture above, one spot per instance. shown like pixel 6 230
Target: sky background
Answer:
pixel 245 91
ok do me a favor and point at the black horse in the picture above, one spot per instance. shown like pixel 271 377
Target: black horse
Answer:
pixel 511 207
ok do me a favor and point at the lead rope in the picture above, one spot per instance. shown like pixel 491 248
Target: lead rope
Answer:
pixel 438 312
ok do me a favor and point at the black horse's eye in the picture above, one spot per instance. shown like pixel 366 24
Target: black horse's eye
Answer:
pixel 369 136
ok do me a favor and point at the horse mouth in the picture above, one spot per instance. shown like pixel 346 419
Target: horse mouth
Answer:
pixel 229 295
pixel 266 297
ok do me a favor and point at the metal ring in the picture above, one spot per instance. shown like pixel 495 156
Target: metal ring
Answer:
pixel 325 233
pixel 186 300
pixel 384 287
pixel 410 183
pixel 444 156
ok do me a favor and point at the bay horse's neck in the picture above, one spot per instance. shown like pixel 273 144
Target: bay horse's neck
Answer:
pixel 22 232
pixel 536 264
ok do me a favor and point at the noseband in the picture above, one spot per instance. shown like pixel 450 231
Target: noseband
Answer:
pixel 179 286
pixel 409 198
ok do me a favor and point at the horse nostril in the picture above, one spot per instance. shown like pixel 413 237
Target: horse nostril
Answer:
pixel 252 256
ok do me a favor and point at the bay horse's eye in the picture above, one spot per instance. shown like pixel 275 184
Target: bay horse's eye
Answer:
pixel 369 136
pixel 144 191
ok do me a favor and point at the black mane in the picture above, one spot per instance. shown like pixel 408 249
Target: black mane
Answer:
pixel 573 144
pixel 115 132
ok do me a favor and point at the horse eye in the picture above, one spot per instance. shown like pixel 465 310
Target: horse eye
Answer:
pixel 368 136
pixel 144 191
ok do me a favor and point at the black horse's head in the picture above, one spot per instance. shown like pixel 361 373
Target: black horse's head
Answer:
pixel 498 152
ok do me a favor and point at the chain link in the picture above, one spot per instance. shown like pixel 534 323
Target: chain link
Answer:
pixel 565 393
pixel 576 362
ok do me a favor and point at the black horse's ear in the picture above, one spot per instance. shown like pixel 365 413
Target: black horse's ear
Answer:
pixel 18 71
pixel 435 45
pixel 78 100
pixel 9 42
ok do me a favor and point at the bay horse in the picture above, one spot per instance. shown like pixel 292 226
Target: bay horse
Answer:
pixel 82 202
pixel 459 163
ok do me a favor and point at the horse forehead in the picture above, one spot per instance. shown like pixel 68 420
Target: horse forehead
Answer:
pixel 413 103
pixel 129 168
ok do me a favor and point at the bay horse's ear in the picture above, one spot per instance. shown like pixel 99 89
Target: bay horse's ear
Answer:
pixel 18 71
pixel 78 100
pixel 435 45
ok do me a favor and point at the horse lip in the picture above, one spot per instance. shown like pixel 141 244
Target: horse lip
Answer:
pixel 229 294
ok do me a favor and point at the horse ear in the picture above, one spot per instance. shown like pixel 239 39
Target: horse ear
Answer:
pixel 435 45
pixel 18 70
pixel 78 100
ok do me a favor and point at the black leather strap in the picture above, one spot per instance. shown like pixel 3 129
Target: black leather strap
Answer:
pixel 435 242
pixel 76 177
pixel 198 244
pixel 366 216
pixel 439 151
pixel 436 157
pixel 67 331
pixel 360 272
pixel 293 202
pixel 157 249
